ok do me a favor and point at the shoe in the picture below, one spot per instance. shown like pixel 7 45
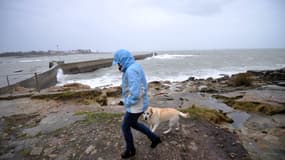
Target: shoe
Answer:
pixel 128 154
pixel 155 142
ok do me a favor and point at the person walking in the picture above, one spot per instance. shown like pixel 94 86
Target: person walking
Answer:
pixel 135 98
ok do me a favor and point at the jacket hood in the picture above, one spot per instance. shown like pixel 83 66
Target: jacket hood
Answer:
pixel 124 58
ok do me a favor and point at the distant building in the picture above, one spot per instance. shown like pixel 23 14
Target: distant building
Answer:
pixel 77 51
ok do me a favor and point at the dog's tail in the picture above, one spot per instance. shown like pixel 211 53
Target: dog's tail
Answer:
pixel 184 115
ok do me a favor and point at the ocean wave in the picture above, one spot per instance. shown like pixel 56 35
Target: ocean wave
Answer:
pixel 106 80
pixel 93 83
pixel 212 73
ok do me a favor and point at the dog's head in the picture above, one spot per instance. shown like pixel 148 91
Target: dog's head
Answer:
pixel 147 114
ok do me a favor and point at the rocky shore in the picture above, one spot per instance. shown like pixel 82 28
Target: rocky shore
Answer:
pixel 237 117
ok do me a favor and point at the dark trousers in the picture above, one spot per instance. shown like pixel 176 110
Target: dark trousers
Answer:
pixel 131 120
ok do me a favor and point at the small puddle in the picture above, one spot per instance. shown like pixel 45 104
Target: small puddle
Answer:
pixel 239 118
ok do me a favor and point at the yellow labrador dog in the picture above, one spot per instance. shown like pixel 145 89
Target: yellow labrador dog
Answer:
pixel 154 116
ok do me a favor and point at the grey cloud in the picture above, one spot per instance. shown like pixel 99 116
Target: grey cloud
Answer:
pixel 193 7
pixel 141 24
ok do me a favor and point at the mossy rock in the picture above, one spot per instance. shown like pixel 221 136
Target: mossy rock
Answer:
pixel 265 108
pixel 84 96
pixel 25 152
pixel 241 79
pixel 13 125
pixel 113 91
pixel 208 114
pixel 69 94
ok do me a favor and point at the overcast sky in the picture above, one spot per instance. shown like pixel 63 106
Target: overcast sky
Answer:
pixel 141 25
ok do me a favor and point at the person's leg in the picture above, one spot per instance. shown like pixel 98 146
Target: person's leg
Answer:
pixel 145 130
pixel 126 128
pixel 142 128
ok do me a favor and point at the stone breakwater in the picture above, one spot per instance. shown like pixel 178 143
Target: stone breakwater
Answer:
pixel 48 78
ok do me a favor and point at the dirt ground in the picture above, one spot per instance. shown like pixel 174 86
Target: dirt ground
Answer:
pixel 101 138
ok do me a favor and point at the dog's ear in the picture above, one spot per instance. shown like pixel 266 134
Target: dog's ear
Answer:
pixel 150 111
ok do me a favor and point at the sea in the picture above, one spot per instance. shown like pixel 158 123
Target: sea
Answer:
pixel 174 66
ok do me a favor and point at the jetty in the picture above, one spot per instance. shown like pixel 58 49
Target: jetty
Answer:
pixel 48 78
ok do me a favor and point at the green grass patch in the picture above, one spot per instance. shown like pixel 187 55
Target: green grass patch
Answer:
pixel 87 101
pixel 25 152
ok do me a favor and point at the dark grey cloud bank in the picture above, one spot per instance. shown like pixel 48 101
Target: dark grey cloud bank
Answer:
pixel 141 24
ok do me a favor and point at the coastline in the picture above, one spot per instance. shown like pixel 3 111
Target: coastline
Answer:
pixel 253 100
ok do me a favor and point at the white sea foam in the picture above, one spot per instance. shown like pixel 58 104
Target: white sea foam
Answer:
pixel 30 60
pixel 170 56
pixel 60 76
pixel 213 73
pixel 167 78
pixel 105 80
pixel 97 82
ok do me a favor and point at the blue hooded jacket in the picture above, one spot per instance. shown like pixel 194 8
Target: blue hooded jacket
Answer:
pixel 134 84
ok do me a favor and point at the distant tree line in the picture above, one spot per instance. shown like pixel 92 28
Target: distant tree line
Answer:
pixel 42 53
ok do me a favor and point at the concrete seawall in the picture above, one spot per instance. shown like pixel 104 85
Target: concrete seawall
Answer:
pixel 45 79
pixel 89 66
pixel 48 78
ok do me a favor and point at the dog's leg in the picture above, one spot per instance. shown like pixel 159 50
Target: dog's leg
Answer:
pixel 151 126
pixel 154 127
pixel 170 127
pixel 167 131
pixel 177 127
pixel 172 122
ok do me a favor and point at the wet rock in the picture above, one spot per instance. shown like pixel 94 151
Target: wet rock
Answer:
pixel 53 122
pixel 191 79
pixel 265 132
pixel 89 149
pixel 154 84
pixel 279 83
pixel 48 151
pixel 202 88
pixel 173 142
pixel 36 151
pixel 232 155
pixel 113 91
pixel 241 79
pixel 76 86
pixel 102 100
pixel 19 88
pixel 94 152
pixel 52 155
pixel 7 156
pixel 221 145
pixel 193 146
